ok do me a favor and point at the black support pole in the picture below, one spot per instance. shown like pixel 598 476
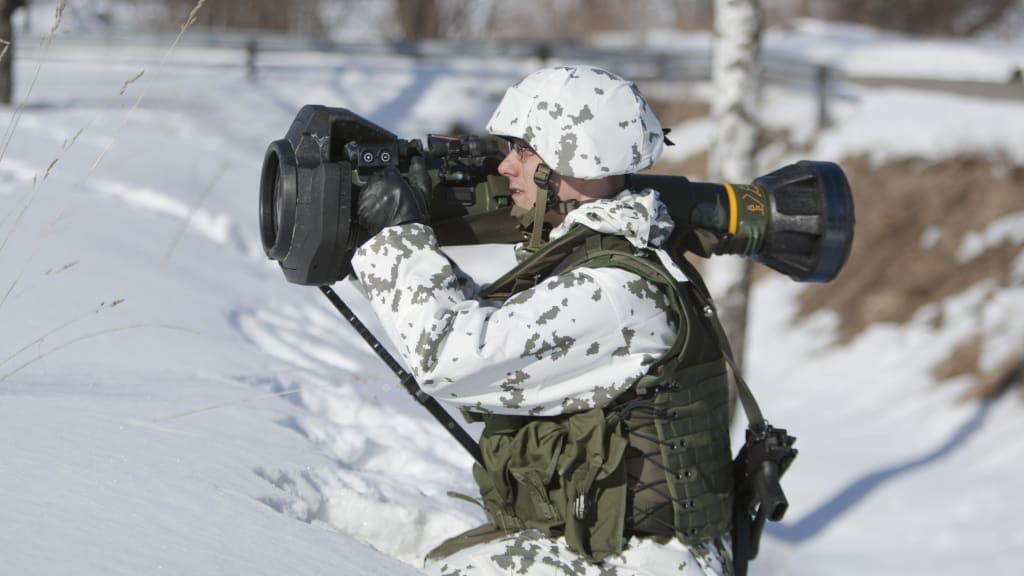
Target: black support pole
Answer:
pixel 407 380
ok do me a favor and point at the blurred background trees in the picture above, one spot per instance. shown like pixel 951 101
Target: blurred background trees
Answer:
pixel 940 17
pixel 284 16
pixel 396 20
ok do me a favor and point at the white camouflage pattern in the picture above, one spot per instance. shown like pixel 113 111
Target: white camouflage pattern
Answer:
pixel 583 121
pixel 573 342
pixel 530 552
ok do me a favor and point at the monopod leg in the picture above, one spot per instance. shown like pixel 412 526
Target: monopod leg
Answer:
pixel 407 380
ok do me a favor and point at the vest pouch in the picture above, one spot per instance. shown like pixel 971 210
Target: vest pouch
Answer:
pixel 562 476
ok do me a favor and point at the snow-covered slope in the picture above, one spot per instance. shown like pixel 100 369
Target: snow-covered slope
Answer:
pixel 169 403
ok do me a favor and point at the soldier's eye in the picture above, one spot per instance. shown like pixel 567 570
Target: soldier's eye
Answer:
pixel 520 147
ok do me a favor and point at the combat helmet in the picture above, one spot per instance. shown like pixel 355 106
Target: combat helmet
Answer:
pixel 583 122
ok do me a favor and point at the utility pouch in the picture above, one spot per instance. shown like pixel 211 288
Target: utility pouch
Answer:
pixel 563 476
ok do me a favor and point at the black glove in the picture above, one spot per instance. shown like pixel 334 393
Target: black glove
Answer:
pixel 387 199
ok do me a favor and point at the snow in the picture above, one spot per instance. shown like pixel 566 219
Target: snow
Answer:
pixel 904 479
pixel 170 404
pixel 1008 228
pixel 861 51
pixel 897 123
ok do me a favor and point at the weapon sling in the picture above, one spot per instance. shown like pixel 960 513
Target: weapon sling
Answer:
pixel 762 461
pixel 767 452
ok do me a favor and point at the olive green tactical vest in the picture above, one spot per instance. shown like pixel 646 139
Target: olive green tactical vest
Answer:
pixel 656 462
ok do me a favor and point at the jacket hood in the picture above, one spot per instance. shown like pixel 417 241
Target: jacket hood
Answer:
pixel 640 217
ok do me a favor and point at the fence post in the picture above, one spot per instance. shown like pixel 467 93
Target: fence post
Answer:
pixel 543 52
pixel 822 79
pixel 251 49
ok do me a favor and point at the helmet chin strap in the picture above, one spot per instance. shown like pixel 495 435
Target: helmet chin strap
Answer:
pixel 545 198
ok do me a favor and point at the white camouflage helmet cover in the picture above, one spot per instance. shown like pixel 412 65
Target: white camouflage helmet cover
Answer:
pixel 583 121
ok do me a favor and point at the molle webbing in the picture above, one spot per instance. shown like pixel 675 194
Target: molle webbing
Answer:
pixel 680 462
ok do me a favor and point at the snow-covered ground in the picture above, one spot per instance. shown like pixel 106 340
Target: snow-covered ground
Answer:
pixel 170 404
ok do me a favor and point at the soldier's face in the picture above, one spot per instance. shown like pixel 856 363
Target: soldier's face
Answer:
pixel 519 166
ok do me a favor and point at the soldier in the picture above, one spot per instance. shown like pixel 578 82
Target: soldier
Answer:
pixel 603 394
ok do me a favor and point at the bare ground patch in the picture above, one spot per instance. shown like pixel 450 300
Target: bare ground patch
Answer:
pixel 673 113
pixel 912 217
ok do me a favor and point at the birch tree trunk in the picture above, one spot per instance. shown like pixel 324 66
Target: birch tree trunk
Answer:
pixel 735 72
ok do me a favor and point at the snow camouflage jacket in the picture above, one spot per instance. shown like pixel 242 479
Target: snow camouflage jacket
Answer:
pixel 571 343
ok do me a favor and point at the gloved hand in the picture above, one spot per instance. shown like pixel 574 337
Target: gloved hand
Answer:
pixel 387 199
